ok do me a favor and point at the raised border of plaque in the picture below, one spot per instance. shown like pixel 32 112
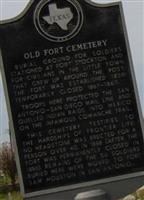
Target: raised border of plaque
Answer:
pixel 85 184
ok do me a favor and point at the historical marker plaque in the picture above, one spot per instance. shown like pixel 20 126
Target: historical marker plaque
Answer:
pixel 71 94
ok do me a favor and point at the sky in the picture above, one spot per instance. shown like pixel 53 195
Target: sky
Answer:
pixel 134 16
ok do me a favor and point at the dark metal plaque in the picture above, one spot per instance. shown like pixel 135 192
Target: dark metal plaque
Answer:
pixel 71 95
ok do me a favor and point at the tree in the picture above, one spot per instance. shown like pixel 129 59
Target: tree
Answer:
pixel 7 162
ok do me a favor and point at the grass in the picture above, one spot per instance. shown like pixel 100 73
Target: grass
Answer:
pixel 14 196
pixel 4 180
pixel 5 190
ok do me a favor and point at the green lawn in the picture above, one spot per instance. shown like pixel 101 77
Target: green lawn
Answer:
pixel 14 195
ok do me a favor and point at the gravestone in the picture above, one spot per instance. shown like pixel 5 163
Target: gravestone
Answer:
pixel 71 95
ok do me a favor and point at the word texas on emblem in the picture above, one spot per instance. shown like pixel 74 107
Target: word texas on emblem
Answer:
pixel 58 22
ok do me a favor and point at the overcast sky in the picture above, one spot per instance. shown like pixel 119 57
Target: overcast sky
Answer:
pixel 134 16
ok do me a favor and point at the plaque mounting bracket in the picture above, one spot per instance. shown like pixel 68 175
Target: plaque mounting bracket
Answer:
pixel 91 195
pixel 111 191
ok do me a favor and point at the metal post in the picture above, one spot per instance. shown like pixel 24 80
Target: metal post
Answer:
pixel 92 195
